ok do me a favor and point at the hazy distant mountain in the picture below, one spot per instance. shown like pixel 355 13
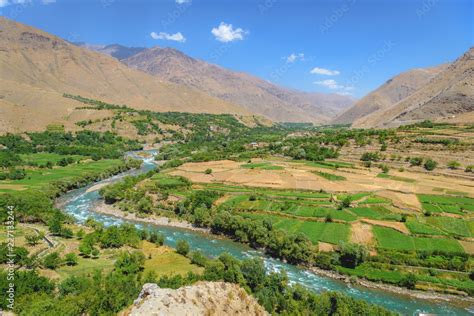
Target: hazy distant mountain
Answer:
pixel 252 93
pixel 447 96
pixel 36 68
pixel 115 50
pixel 391 92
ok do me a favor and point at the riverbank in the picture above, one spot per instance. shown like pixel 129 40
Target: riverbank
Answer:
pixel 462 301
pixel 103 208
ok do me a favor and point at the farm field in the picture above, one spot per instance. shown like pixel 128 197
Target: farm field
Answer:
pixel 41 178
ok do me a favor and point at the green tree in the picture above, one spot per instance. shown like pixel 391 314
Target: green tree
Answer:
pixel 70 259
pixel 130 263
pixel 52 261
pixel 430 164
pixel 182 247
pixel 351 255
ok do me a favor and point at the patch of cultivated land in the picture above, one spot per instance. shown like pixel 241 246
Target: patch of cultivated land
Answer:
pixel 294 175
pixel 40 178
pixel 361 233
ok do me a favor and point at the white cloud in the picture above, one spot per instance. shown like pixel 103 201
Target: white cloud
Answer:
pixel 333 85
pixel 294 57
pixel 323 71
pixel 177 37
pixel 328 83
pixel 4 3
pixel 182 1
pixel 226 33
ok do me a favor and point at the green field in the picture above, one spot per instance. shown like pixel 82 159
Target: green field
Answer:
pixel 391 239
pixel 41 178
pixel 43 158
pixel 416 227
pixel 449 204
pixel 333 233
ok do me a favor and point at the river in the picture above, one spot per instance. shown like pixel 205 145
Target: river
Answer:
pixel 79 203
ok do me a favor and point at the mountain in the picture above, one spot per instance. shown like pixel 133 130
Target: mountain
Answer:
pixel 252 93
pixel 36 68
pixel 115 50
pixel 391 92
pixel 446 95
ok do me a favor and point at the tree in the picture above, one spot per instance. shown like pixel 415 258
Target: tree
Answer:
pixel 351 255
pixel 70 259
pixel 156 238
pixel 253 271
pixel 409 281
pixel 86 247
pixel 130 263
pixel 52 261
pixel 208 171
pixel 430 164
pixel 416 161
pixel 182 247
pixel 33 239
pixel 469 168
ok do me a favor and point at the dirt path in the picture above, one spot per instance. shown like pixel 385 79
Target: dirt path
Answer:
pixel 361 233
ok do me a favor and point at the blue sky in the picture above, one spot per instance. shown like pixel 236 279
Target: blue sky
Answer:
pixel 347 47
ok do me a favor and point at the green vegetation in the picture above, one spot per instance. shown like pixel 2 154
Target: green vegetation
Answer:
pixel 263 166
pixel 330 176
pixel 396 178
pixel 388 238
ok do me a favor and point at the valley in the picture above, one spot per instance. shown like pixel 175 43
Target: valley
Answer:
pixel 203 158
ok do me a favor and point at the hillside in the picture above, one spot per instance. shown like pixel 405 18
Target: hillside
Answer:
pixel 252 93
pixel 36 68
pixel 203 298
pixel 448 96
pixel 391 92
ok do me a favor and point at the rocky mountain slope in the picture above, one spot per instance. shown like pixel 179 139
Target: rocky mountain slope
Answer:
pixel 252 93
pixel 202 298
pixel 36 68
pixel 115 50
pixel 391 92
pixel 446 95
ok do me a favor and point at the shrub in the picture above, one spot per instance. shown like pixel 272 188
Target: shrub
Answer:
pixel 52 261
pixel 70 259
pixel 409 281
pixel 208 171
pixel 182 247
pixel 416 161
pixel 351 255
pixel 430 164
pixel 469 168
pixel 454 165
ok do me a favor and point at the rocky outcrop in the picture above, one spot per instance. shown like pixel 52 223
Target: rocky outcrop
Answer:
pixel 202 298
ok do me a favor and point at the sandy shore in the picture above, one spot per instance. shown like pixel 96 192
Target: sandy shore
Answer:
pixel 103 208
pixel 97 187
pixel 464 301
